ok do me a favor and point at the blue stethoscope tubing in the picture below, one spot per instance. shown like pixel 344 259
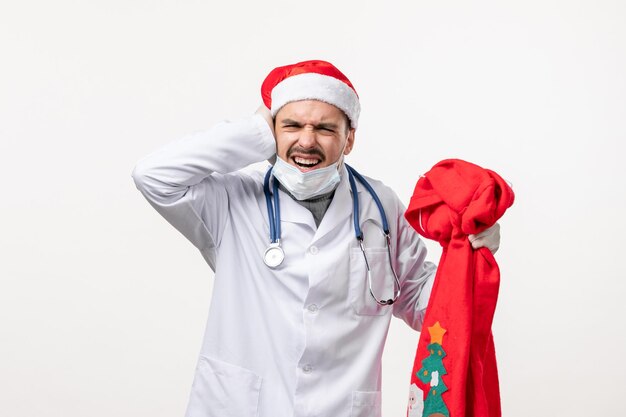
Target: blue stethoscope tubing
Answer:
pixel 274 254
pixel 274 220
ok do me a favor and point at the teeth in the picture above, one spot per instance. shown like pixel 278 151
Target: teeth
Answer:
pixel 304 161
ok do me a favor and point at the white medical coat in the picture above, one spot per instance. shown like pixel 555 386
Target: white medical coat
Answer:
pixel 306 338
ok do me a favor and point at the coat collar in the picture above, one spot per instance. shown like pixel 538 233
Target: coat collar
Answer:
pixel 339 209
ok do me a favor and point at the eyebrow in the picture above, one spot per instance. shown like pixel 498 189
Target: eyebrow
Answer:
pixel 331 126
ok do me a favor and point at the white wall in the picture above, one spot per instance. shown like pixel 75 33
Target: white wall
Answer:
pixel 103 304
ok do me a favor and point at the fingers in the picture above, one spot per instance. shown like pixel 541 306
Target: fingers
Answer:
pixel 267 115
pixel 489 238
pixel 482 242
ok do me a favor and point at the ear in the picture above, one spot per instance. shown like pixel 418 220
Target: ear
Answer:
pixel 349 141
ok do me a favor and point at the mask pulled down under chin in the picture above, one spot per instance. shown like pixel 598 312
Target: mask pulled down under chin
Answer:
pixel 305 185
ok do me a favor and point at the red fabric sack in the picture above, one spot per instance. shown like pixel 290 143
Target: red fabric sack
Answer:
pixel 455 368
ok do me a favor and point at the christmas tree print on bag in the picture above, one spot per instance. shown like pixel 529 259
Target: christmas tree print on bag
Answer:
pixel 431 373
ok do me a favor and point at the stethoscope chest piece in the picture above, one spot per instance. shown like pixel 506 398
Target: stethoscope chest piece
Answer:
pixel 274 255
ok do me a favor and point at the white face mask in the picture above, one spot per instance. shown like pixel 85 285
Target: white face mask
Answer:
pixel 305 185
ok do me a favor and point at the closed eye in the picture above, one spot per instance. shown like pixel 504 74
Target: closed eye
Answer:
pixel 290 123
pixel 327 127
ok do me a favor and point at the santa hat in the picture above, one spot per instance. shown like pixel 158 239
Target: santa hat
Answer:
pixel 311 80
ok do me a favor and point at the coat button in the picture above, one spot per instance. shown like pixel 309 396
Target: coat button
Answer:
pixel 313 308
pixel 307 368
pixel 313 250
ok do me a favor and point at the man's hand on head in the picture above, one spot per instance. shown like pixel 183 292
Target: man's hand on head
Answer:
pixel 267 115
pixel 489 238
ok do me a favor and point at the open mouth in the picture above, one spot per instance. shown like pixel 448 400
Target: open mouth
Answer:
pixel 306 163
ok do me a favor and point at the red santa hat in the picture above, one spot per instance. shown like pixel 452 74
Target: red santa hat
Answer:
pixel 311 80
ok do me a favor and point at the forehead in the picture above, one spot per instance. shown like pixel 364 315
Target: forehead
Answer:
pixel 311 111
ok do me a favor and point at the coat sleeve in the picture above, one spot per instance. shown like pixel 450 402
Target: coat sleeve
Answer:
pixel 415 274
pixel 185 180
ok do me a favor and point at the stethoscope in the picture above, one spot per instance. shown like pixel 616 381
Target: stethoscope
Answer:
pixel 274 254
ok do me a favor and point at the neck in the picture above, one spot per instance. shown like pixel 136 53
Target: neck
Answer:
pixel 316 205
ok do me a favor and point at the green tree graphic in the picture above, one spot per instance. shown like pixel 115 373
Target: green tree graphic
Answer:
pixel 431 372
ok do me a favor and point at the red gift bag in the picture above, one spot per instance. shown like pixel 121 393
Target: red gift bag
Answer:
pixel 455 370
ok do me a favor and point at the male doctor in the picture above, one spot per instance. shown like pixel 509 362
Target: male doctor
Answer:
pixel 296 325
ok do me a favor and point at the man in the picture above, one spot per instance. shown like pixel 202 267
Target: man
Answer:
pixel 298 334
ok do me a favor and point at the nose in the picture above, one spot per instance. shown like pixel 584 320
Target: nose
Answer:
pixel 307 138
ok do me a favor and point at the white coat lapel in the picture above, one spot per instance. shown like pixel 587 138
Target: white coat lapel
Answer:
pixel 291 211
pixel 340 208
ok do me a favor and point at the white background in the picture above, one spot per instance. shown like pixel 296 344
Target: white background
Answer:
pixel 103 303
